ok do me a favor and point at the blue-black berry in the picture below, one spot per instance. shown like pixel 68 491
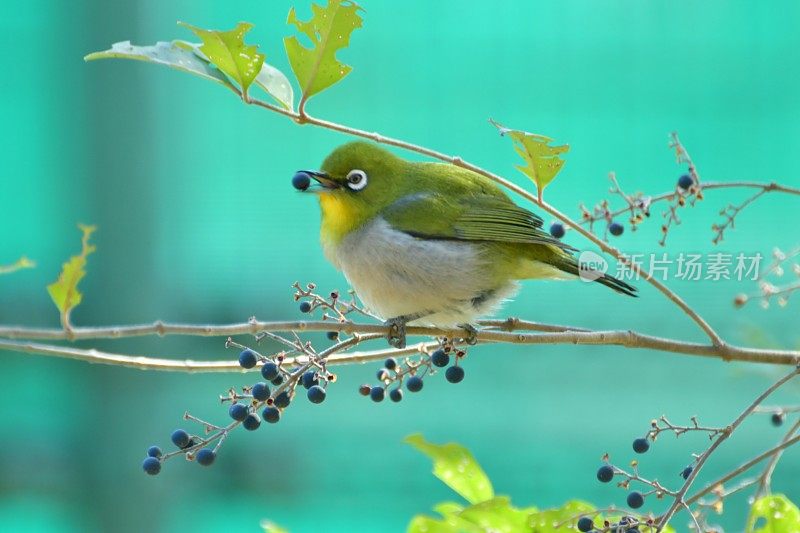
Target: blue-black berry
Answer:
pixel 382 374
pixel 154 451
pixel 316 394
pixel 440 358
pixel 248 358
pixel 685 181
pixel 635 500
pixel 454 374
pixel 270 371
pixel 605 473
pixel 282 400
pixel 377 394
pixel 585 524
pixel 641 445
pixel 277 381
pixel 205 457
pixel 301 181
pixel 332 335
pixel 396 395
pixel 271 414
pixel 305 307
pixel 152 466
pixel 687 472
pixel 238 412
pixel 309 379
pixel 777 419
pixel 252 422
pixel 390 363
pixel 557 230
pixel 414 384
pixel 180 438
pixel 260 391
pixel 616 229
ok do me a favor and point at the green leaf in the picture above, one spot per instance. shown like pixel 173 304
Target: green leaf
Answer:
pixel 497 514
pixel 19 264
pixel 329 30
pixel 774 514
pixel 457 468
pixel 545 521
pixel 226 49
pixel 427 524
pixel 64 291
pixel 272 527
pixel 174 55
pixel 542 161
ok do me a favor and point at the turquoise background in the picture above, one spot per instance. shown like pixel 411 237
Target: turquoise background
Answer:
pixel 198 223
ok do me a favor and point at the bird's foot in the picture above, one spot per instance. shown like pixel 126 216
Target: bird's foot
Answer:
pixel 397 331
pixel 472 334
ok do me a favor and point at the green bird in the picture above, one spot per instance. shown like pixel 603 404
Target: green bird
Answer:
pixel 430 243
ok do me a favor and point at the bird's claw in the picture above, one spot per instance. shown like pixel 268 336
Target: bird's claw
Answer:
pixel 397 332
pixel 472 334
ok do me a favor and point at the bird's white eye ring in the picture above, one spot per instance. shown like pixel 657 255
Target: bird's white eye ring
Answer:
pixel 356 179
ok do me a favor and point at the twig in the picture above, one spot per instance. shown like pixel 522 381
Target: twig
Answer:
pixel 765 478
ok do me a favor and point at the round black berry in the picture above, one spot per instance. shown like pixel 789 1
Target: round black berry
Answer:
pixel 585 524
pixel 305 307
pixel 635 500
pixel 271 414
pixel 454 374
pixel 641 445
pixel 248 358
pixel 605 473
pixel 390 363
pixel 396 395
pixel 377 394
pixel 414 384
pixel 301 181
pixel 382 374
pixel 687 472
pixel 332 335
pixel 152 466
pixel 205 457
pixel 685 181
pixel 180 438
pixel 616 229
pixel 777 419
pixel 260 391
pixel 277 381
pixel 252 422
pixel 309 379
pixel 238 412
pixel 557 230
pixel 153 451
pixel 440 358
pixel 316 394
pixel 270 371
pixel 363 390
pixel 282 400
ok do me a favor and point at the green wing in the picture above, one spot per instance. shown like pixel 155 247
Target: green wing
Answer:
pixel 476 217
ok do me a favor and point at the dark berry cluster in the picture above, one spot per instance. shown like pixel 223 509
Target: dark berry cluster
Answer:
pixel 626 524
pixel 394 374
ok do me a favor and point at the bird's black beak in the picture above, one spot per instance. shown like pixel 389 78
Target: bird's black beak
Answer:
pixel 302 180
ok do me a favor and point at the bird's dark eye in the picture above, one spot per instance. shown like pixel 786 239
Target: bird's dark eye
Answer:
pixel 356 179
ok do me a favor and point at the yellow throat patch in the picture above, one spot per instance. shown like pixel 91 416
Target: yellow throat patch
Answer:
pixel 339 217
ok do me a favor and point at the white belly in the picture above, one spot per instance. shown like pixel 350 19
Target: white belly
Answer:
pixel 397 275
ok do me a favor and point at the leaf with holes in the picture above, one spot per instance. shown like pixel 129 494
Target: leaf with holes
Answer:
pixel 64 291
pixel 542 161
pixel 227 51
pixel 773 514
pixel 457 468
pixel 329 30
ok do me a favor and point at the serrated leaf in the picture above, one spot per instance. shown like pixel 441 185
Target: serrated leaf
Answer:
pixel 174 55
pixel 457 468
pixel 272 80
pixel 329 30
pixel 21 263
pixel 774 514
pixel 64 291
pixel 545 521
pixel 498 515
pixel 226 49
pixel 542 161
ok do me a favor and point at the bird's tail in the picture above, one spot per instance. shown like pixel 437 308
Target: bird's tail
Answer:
pixel 567 263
